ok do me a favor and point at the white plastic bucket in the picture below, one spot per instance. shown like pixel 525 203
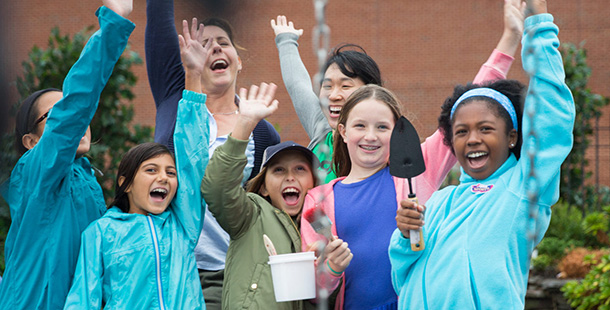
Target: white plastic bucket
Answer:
pixel 294 276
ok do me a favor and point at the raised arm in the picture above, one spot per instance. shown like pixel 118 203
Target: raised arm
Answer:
pixel 296 79
pixel 70 116
pixel 191 135
pixel 165 72
pixel 221 185
pixel 438 157
pixel 500 60
pixel 552 101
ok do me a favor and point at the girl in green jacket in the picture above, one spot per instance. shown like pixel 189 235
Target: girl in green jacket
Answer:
pixel 272 206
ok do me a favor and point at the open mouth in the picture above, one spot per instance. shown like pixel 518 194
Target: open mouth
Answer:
pixel 477 160
pixel 334 110
pixel 219 65
pixel 291 195
pixel 158 194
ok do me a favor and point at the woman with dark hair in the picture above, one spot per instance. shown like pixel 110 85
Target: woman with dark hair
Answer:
pixel 52 192
pixel 348 68
pixel 139 255
pixel 219 79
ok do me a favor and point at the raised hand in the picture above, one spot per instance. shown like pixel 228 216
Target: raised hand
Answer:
pixel 281 26
pixel 408 217
pixel 121 7
pixel 338 255
pixel 193 54
pixel 536 7
pixel 514 15
pixel 254 105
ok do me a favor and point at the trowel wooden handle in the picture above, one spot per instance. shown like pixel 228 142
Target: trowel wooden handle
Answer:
pixel 416 235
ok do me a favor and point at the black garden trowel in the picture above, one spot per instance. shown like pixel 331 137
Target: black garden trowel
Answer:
pixel 407 161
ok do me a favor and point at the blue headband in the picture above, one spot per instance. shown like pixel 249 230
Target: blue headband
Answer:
pixel 489 93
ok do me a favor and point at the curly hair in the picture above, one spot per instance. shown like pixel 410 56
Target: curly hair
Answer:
pixel 514 90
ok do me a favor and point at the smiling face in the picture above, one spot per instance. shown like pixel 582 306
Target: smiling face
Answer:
pixel 44 105
pixel 367 133
pixel 153 186
pixel 289 176
pixel 480 139
pixel 222 64
pixel 337 87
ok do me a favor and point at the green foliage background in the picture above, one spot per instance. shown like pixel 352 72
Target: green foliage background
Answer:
pixel 111 132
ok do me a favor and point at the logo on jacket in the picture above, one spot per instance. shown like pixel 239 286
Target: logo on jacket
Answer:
pixel 480 188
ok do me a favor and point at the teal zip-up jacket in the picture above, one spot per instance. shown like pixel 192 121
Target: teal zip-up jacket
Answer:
pixel 135 261
pixel 53 195
pixel 477 245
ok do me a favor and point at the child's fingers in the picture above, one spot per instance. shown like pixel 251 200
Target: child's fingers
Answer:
pixel 243 93
pixel 253 92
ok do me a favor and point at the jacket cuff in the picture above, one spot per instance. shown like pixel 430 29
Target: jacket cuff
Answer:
pixel 537 19
pixel 235 147
pixel 190 95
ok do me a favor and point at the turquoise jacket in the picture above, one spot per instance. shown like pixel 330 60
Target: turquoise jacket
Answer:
pixel 477 233
pixel 134 261
pixel 52 195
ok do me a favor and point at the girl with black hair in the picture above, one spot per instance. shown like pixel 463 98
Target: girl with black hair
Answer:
pixel 139 255
pixel 480 234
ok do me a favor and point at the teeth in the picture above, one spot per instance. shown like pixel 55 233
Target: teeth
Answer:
pixel 335 109
pixel 476 154
pixel 219 62
pixel 369 148
pixel 290 190
pixel 159 190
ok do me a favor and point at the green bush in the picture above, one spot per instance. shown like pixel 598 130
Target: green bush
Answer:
pixel 111 132
pixel 593 292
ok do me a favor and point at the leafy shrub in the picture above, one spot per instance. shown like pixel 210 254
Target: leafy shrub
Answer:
pixel 593 292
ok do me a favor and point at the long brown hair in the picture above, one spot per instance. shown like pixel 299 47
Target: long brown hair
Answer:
pixel 342 162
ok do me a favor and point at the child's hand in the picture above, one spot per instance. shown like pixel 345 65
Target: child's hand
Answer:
pixel 254 106
pixel 121 7
pixel 514 14
pixel 282 27
pixel 408 217
pixel 536 7
pixel 193 54
pixel 338 255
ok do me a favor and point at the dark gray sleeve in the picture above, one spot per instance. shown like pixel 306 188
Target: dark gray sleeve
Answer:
pixel 298 83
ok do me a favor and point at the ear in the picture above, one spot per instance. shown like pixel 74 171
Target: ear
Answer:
pixel 342 132
pixel 512 138
pixel 29 140
pixel 120 182
pixel 239 63
pixel 263 191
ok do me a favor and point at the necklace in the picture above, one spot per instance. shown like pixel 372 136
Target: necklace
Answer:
pixel 227 113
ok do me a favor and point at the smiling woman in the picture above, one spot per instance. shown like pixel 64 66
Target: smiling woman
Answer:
pixel 221 66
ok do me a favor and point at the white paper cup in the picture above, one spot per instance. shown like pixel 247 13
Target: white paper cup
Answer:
pixel 294 276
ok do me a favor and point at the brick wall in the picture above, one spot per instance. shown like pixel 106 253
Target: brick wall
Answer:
pixel 422 47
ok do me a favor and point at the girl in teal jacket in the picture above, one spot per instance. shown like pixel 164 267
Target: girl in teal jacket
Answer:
pixel 480 234
pixel 52 192
pixel 139 255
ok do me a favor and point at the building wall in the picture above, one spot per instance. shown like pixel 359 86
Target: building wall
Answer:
pixel 423 47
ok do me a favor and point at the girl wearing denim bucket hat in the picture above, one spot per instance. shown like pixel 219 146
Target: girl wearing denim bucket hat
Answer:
pixel 271 205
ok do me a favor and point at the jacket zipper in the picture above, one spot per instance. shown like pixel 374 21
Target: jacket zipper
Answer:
pixel 157 262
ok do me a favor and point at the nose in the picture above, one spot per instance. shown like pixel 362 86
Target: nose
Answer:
pixel 335 94
pixel 473 138
pixel 370 134
pixel 215 47
pixel 162 177
pixel 290 176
